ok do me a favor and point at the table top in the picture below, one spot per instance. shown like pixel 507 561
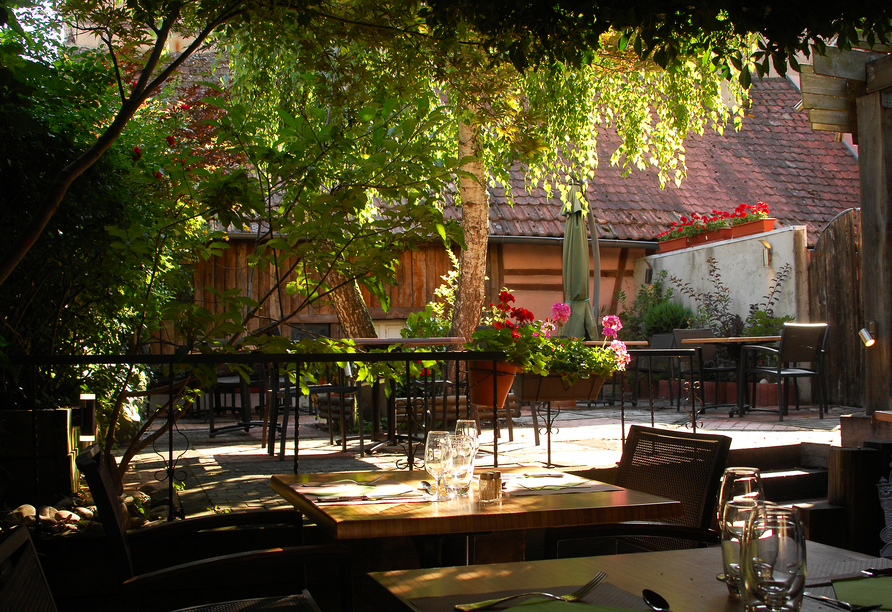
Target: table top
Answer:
pixel 732 340
pixel 686 578
pixel 466 515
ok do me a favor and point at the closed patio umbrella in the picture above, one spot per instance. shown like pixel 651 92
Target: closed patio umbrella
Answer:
pixel 576 270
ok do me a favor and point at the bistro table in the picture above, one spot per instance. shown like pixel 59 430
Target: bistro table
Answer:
pixel 686 578
pixel 734 343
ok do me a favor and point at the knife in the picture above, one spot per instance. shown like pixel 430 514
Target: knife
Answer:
pixel 358 498
pixel 870 572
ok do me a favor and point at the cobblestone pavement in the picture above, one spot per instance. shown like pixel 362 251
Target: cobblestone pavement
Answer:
pixel 231 471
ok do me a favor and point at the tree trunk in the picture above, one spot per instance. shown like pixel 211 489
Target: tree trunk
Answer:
pixel 475 223
pixel 353 315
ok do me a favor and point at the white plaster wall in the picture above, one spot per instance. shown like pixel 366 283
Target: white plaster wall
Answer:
pixel 742 269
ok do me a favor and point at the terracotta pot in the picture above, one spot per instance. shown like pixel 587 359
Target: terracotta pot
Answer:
pixel 753 227
pixel 480 380
pixel 535 388
pixel 674 244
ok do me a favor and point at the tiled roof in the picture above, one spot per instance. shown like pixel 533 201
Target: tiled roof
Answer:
pixel 805 177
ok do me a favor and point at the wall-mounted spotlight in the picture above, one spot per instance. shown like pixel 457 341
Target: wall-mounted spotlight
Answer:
pixel 766 253
pixel 868 334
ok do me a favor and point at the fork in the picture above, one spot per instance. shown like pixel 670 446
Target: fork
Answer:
pixel 574 596
pixel 842 605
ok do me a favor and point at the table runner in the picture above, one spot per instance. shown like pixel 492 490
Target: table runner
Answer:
pixel 605 595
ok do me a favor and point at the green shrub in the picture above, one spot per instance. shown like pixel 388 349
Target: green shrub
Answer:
pixel 665 317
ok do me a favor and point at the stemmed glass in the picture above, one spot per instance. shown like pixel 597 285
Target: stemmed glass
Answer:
pixel 737 513
pixel 438 461
pixel 459 476
pixel 468 427
pixel 772 560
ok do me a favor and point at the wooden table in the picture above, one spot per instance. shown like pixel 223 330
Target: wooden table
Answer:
pixel 735 341
pixel 466 515
pixel 686 578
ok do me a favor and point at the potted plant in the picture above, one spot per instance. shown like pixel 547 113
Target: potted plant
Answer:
pixel 513 331
pixel 695 229
pixel 576 370
pixel 748 219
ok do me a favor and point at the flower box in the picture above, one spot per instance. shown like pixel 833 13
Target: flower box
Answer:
pixel 753 227
pixel 535 388
pixel 674 244
pixel 480 381
pixel 712 236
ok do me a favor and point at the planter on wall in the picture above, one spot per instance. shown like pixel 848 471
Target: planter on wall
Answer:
pixel 480 380
pixel 535 388
pixel 723 233
pixel 674 244
pixel 758 226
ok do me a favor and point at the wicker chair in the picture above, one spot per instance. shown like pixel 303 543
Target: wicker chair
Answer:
pixel 22 583
pixel 678 465
pixel 225 581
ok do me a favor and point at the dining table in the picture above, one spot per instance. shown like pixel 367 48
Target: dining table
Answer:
pixel 735 345
pixel 687 579
pixel 390 504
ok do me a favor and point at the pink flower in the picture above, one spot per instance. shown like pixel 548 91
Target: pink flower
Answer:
pixel 560 312
pixel 612 325
pixel 547 328
pixel 622 355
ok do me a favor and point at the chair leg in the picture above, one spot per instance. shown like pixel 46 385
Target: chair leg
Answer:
pixel 781 399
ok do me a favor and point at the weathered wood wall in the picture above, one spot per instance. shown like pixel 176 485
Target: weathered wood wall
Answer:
pixel 835 297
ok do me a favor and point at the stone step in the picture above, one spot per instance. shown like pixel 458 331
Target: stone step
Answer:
pixel 793 484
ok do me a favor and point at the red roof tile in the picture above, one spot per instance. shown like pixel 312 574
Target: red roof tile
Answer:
pixel 805 177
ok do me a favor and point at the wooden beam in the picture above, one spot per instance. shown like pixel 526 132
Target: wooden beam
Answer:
pixel 557 287
pixel 833 103
pixel 819 84
pixel 823 127
pixel 826 117
pixel 844 64
pixel 531 272
pixel 879 74
pixel 876 48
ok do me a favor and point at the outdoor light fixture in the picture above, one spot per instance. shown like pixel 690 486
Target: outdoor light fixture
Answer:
pixel 766 253
pixel 867 334
pixel 87 417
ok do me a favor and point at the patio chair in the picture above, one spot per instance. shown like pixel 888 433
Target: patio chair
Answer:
pixel 707 360
pixel 656 365
pixel 800 343
pixel 23 585
pixel 678 465
pixel 188 567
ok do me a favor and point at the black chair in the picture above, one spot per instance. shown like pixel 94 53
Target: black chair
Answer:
pixel 657 365
pixel 674 464
pixel 800 343
pixel 23 586
pixel 188 573
pixel 707 360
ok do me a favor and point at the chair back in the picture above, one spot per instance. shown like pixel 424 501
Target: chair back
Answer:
pixel 684 466
pixel 94 466
pixel 707 350
pixel 802 342
pixel 23 585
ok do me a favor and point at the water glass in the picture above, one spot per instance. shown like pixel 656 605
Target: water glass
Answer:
pixel 468 427
pixel 458 478
pixel 438 461
pixel 734 519
pixel 739 482
pixel 772 560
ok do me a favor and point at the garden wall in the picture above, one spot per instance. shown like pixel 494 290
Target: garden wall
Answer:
pixel 741 262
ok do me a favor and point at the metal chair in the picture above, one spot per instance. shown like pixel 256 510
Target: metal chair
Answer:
pixel 678 465
pixel 800 343
pixel 190 575
pixel 707 359
pixel 657 365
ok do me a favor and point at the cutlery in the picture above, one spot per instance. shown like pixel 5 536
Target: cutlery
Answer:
pixel 842 605
pixel 655 600
pixel 349 498
pixel 870 572
pixel 334 483
pixel 428 487
pixel 574 596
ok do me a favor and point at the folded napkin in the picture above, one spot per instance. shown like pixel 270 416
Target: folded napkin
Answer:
pixel 350 491
pixel 865 591
pixel 539 484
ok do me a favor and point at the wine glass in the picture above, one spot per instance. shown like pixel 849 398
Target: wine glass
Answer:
pixel 459 476
pixel 737 513
pixel 739 483
pixel 468 427
pixel 438 461
pixel 772 560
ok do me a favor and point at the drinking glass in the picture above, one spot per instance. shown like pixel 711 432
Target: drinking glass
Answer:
pixel 734 519
pixel 458 478
pixel 772 560
pixel 438 461
pixel 739 482
pixel 468 427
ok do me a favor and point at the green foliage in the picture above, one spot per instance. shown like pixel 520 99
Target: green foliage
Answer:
pixel 667 316
pixel 713 307
pixel 647 298
pixel 573 359
pixel 761 320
